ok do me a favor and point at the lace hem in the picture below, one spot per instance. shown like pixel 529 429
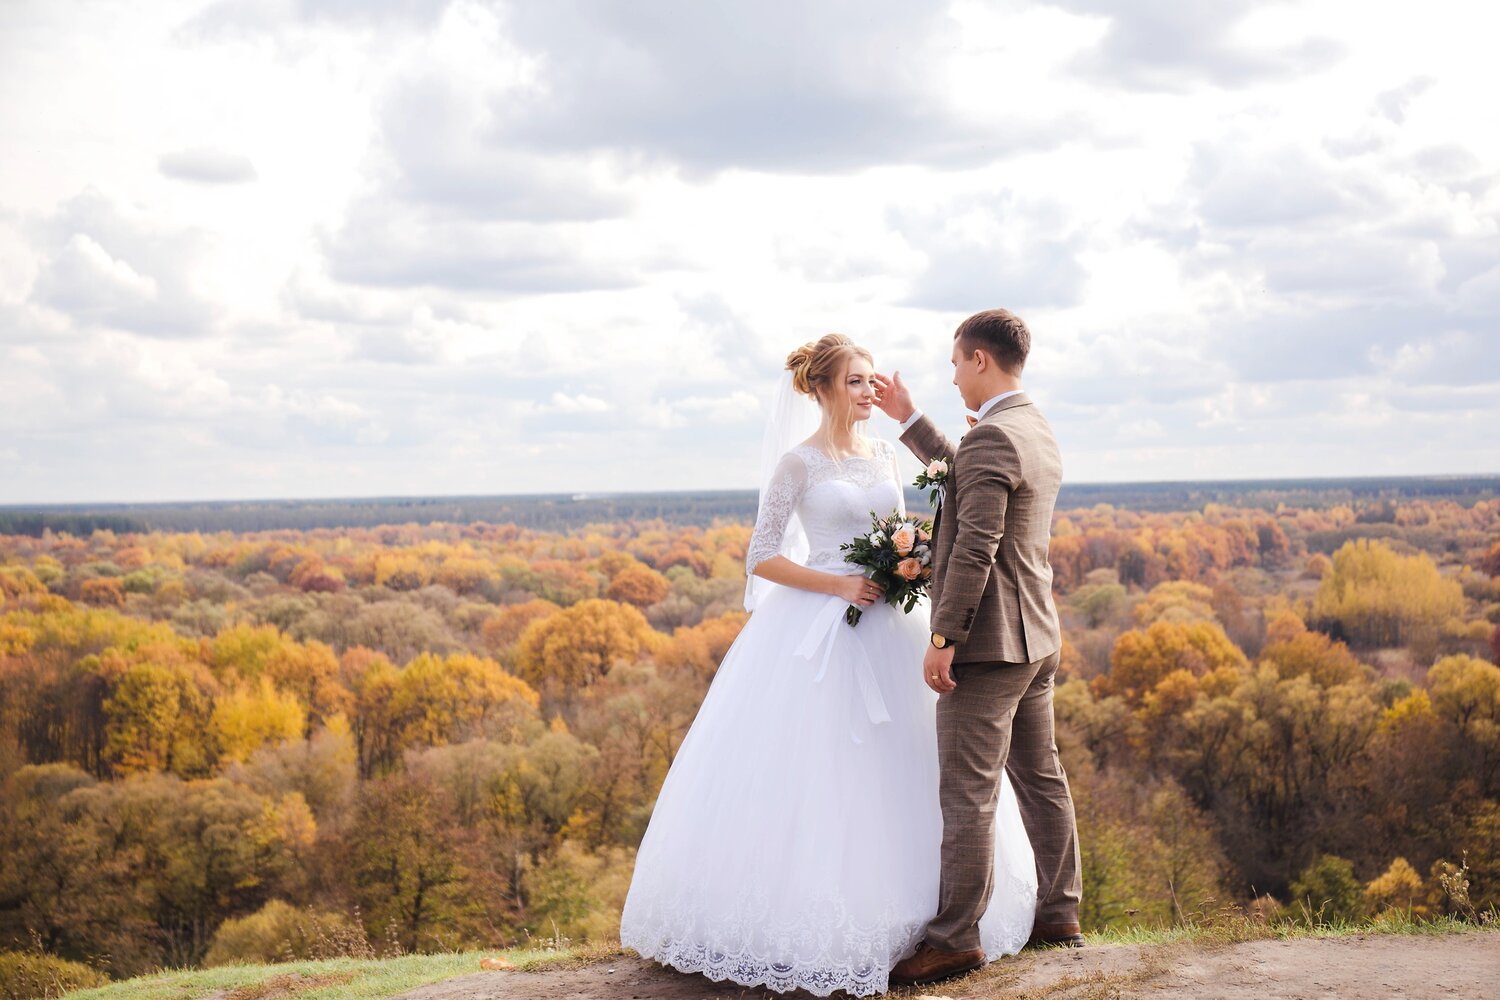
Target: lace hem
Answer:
pixel 821 950
pixel 854 958
pixel 753 970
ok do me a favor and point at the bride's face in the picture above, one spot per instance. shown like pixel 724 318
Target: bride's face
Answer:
pixel 857 390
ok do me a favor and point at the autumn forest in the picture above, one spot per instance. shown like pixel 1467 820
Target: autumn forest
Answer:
pixel 369 740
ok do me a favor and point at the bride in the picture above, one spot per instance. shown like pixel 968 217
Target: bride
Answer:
pixel 795 842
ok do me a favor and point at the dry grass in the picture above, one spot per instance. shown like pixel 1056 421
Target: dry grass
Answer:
pixel 291 985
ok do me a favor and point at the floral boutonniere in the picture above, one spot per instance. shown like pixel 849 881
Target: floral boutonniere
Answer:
pixel 934 479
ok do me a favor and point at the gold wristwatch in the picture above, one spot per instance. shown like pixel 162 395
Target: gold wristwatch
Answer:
pixel 939 642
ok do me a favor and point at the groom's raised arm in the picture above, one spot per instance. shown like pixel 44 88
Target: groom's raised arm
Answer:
pixel 985 471
pixel 918 433
pixel 926 441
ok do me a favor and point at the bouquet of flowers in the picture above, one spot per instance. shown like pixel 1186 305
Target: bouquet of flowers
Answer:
pixel 897 553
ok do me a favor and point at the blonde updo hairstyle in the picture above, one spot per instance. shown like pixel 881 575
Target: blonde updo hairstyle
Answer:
pixel 819 365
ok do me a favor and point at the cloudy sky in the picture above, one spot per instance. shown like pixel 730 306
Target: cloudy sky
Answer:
pixel 302 248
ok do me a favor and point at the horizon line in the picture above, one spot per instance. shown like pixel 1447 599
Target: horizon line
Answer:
pixel 577 494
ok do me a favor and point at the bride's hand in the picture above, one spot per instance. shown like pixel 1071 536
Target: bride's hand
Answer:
pixel 858 590
pixel 892 396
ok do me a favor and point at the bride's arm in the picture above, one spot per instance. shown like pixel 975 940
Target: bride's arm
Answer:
pixel 855 589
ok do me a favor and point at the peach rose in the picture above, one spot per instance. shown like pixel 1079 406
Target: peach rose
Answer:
pixel 909 569
pixel 904 539
pixel 937 467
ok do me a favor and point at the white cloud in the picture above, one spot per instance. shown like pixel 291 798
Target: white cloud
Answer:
pixel 581 403
pixel 83 274
pixel 207 166
pixel 327 247
pixel 113 265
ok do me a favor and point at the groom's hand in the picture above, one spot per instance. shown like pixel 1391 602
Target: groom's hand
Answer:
pixel 937 669
pixel 892 396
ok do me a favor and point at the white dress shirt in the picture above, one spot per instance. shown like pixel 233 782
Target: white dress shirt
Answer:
pixel 917 414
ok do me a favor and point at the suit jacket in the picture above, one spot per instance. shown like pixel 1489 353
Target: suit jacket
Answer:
pixel 992 583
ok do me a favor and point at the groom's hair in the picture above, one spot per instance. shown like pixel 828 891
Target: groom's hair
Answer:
pixel 1001 334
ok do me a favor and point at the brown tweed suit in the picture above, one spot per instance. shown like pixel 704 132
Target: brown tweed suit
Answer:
pixel 992 595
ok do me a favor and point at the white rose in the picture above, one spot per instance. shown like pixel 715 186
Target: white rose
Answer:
pixel 877 538
pixel 936 468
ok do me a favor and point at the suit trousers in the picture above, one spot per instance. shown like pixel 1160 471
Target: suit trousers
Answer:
pixel 1000 716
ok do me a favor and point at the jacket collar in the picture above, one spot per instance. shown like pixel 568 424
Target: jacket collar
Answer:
pixel 1019 399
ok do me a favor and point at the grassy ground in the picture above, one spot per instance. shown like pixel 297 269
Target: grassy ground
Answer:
pixel 375 979
pixel 360 979
pixel 1231 928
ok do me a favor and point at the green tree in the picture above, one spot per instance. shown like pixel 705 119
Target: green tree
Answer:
pixel 578 894
pixel 1327 892
pixel 1466 693
pixel 58 878
pixel 280 932
pixel 404 865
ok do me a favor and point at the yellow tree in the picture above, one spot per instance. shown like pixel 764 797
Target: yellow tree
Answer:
pixel 310 671
pixel 1142 659
pixel 612 563
pixel 1295 652
pixel 401 570
pixel 1399 888
pixel 639 585
pixel 373 681
pixel 243 649
pixel 440 700
pixel 19 581
pixel 1381 598
pixel 156 721
pixel 246 719
pixel 701 647
pixel 104 590
pixel 1176 601
pixel 502 629
pixel 570 650
pixel 464 574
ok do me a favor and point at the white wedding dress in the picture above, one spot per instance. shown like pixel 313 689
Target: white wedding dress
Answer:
pixel 795 842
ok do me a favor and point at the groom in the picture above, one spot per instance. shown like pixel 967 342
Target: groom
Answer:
pixel 995 645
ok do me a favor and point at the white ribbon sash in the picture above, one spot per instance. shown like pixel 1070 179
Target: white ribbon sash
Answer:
pixel 824 632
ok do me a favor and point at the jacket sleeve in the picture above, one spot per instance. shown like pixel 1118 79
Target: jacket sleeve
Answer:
pixel 927 442
pixel 985 470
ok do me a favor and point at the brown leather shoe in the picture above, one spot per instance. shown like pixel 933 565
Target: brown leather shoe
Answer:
pixel 1065 935
pixel 928 965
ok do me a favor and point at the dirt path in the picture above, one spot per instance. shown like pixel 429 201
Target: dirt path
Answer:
pixel 1414 967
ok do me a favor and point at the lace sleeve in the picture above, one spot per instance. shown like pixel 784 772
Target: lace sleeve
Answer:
pixel 788 483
